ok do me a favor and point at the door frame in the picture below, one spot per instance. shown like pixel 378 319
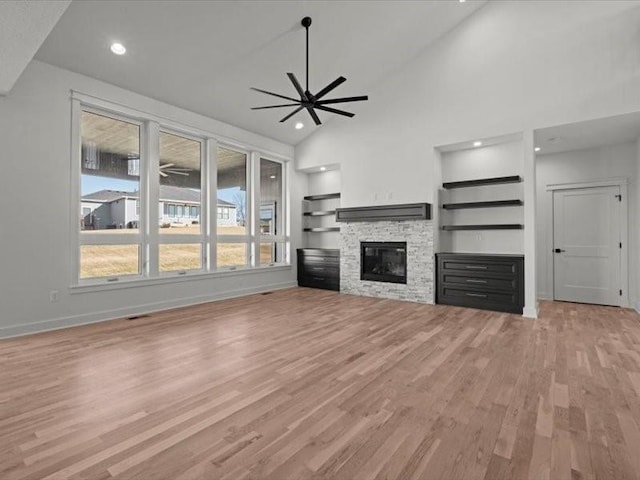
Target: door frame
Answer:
pixel 620 182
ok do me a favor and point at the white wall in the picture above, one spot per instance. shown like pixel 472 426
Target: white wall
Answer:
pixel 613 161
pixel 511 67
pixel 500 160
pixel 35 258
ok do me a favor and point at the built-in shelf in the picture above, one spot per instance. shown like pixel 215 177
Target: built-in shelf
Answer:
pixel 499 226
pixel 490 204
pixel 319 213
pixel 322 229
pixel 325 196
pixel 482 181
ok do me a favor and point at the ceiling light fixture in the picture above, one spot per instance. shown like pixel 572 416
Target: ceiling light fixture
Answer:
pixel 477 143
pixel 307 100
pixel 322 169
pixel 299 125
pixel 462 1
pixel 537 149
pixel 272 177
pixel 118 49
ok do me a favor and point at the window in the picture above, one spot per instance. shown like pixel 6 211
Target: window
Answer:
pixel 179 168
pixel 272 201
pixel 127 189
pixel 109 231
pixel 233 231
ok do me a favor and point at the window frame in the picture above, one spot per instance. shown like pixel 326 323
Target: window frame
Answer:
pixel 236 238
pixel 148 236
pixel 281 241
pixel 183 239
pixel 87 238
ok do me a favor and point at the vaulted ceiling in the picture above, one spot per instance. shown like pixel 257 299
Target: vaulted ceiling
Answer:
pixel 23 28
pixel 204 56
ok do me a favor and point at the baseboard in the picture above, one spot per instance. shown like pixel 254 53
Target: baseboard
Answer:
pixel 530 312
pixel 118 313
pixel 544 296
pixel 637 309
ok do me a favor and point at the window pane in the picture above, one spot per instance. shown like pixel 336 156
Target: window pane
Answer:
pixel 232 192
pixel 272 253
pixel 110 174
pixel 232 254
pixel 271 198
pixel 180 183
pixel 180 257
pixel 109 260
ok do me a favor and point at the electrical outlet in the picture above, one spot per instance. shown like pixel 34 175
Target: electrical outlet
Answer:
pixel 54 296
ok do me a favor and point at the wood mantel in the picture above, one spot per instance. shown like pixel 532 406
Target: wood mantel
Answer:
pixel 379 213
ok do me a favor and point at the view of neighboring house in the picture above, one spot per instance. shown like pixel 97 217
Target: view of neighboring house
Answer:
pixel 114 209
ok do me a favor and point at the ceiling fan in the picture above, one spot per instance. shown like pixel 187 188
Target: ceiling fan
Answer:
pixel 307 100
pixel 170 168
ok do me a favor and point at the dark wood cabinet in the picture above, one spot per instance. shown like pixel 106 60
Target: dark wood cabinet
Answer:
pixel 319 268
pixel 489 282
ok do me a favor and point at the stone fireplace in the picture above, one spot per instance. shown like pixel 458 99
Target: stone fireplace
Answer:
pixel 414 236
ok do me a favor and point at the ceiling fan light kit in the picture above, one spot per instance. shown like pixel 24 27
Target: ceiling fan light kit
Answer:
pixel 309 101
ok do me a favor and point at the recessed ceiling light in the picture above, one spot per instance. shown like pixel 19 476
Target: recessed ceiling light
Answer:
pixel 272 176
pixel 462 1
pixel 118 49
pixel 322 169
pixel 477 144
pixel 299 125
pixel 537 149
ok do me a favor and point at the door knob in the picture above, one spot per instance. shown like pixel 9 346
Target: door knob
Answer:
pixel 559 250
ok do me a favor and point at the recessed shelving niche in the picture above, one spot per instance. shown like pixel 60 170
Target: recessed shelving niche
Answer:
pixel 319 210
pixel 481 197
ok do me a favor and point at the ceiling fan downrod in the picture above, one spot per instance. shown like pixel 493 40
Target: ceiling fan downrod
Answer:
pixel 306 23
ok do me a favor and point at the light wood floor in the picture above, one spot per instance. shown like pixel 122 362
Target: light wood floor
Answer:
pixel 307 383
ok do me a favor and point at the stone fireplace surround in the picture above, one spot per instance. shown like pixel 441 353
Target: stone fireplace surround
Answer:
pixel 420 263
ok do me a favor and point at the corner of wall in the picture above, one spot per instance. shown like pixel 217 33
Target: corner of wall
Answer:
pixel 530 311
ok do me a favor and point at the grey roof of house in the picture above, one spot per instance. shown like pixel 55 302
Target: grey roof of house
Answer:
pixel 167 194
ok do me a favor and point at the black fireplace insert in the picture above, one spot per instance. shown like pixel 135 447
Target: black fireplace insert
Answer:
pixel 383 261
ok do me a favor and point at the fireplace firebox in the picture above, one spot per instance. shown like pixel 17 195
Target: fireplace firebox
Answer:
pixel 383 261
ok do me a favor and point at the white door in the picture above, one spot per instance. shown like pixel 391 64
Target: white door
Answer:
pixel 587 249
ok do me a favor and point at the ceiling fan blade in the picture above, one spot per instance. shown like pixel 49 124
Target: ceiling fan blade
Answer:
pixel 333 110
pixel 175 172
pixel 162 174
pixel 274 94
pixel 291 114
pixel 297 86
pixel 330 87
pixel 167 165
pixel 314 115
pixel 343 100
pixel 277 106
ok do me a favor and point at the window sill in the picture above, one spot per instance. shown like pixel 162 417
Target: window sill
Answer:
pixel 103 285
